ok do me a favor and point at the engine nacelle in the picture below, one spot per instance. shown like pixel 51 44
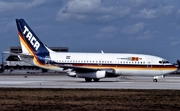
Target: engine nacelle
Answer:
pixel 93 75
pixel 71 74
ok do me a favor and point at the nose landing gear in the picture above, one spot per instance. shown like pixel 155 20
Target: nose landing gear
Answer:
pixel 155 79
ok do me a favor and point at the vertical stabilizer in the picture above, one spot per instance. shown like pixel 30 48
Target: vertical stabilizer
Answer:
pixel 30 43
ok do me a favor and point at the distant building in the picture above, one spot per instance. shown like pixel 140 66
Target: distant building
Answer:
pixel 17 49
pixel 13 65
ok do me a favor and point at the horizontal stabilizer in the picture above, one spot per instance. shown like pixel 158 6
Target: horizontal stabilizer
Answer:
pixel 18 54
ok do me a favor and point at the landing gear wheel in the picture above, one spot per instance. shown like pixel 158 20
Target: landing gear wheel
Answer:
pixel 96 80
pixel 88 79
pixel 154 80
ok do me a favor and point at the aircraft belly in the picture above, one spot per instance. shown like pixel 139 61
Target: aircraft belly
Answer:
pixel 142 72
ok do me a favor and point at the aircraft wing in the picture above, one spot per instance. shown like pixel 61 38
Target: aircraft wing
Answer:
pixel 86 70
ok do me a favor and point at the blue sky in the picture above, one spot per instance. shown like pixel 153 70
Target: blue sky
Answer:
pixel 114 26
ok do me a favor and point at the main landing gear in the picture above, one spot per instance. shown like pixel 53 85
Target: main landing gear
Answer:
pixel 89 80
pixel 155 79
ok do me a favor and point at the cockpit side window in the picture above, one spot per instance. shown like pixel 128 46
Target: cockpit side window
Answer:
pixel 163 62
pixel 166 61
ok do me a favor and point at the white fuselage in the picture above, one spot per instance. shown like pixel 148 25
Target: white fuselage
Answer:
pixel 122 64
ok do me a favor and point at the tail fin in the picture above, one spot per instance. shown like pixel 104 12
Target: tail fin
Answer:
pixel 30 43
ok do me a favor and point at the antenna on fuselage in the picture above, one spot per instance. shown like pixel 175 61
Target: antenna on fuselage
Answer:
pixel 102 51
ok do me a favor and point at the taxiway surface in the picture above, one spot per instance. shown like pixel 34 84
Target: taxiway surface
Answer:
pixel 55 81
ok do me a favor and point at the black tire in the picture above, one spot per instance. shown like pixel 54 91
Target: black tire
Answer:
pixel 154 80
pixel 96 80
pixel 88 79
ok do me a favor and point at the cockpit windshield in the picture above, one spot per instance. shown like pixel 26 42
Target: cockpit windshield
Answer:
pixel 164 62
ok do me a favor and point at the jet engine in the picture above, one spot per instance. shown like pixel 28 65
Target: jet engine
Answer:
pixel 92 75
pixel 95 75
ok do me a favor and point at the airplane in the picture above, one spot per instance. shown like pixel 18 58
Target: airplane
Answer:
pixel 91 66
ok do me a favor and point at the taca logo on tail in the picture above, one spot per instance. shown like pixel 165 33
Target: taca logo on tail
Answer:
pixel 31 38
pixel 30 43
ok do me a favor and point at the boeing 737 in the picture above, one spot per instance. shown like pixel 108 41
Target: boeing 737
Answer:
pixel 91 66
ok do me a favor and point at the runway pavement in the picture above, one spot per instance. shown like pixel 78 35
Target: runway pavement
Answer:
pixel 55 81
